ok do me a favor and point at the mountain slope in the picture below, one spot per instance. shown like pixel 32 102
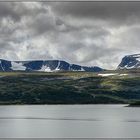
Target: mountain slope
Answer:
pixel 130 62
pixel 44 65
pixel 67 88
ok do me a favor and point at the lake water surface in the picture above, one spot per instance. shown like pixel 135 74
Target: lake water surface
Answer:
pixel 69 121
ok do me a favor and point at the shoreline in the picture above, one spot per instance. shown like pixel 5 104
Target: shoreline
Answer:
pixel 125 105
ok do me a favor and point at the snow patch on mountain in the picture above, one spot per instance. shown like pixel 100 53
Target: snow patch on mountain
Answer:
pixel 44 68
pixel 138 58
pixel 1 65
pixel 124 74
pixel 111 74
pixel 107 74
pixel 17 66
pixel 82 69
pixel 57 68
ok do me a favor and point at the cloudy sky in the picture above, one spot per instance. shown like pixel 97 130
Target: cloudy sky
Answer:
pixel 85 33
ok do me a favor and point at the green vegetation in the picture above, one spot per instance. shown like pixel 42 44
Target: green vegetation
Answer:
pixel 134 104
pixel 67 88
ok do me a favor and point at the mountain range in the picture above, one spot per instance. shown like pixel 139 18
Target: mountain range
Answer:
pixel 127 62
pixel 44 65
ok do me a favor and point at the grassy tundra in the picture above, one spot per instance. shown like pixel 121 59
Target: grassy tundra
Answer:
pixel 69 87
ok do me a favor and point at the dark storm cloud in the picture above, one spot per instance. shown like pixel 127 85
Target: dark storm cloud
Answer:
pixel 16 10
pixel 86 33
pixel 7 9
pixel 103 10
pixel 117 13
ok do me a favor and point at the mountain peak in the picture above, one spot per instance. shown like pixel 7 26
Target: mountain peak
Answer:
pixel 130 62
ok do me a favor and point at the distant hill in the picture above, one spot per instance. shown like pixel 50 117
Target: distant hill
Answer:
pixel 44 66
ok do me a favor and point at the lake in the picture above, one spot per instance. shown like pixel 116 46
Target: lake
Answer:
pixel 69 121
